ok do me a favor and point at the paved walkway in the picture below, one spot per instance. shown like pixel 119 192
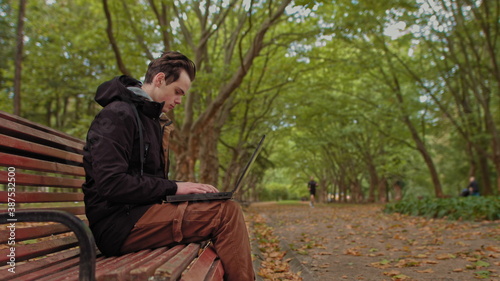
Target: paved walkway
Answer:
pixel 360 242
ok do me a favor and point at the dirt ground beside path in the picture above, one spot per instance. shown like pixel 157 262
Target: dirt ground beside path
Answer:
pixel 360 242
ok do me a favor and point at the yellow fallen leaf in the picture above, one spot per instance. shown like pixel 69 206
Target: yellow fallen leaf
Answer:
pixel 445 256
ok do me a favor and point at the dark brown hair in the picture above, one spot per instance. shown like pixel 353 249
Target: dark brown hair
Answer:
pixel 171 63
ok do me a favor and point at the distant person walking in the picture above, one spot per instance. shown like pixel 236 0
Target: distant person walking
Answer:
pixel 311 185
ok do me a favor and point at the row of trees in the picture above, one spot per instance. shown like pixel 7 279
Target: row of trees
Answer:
pixel 421 104
pixel 342 98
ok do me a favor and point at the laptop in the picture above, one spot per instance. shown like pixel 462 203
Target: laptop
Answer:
pixel 219 195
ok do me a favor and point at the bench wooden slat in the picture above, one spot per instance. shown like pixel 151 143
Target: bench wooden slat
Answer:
pixel 147 269
pixel 24 252
pixel 123 273
pixel 33 232
pixel 41 180
pixel 67 274
pixel 48 271
pixel 77 210
pixel 173 269
pixel 11 142
pixel 72 273
pixel 101 272
pixel 30 197
pixel 36 265
pixel 16 119
pixel 201 266
pixel 216 272
pixel 21 162
pixel 42 134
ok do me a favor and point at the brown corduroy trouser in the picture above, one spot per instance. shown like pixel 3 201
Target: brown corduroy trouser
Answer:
pixel 222 221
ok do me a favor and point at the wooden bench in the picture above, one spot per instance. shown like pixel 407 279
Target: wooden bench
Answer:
pixel 44 233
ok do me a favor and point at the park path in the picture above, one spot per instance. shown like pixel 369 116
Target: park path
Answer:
pixel 360 242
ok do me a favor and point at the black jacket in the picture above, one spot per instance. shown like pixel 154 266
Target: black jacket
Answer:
pixel 116 194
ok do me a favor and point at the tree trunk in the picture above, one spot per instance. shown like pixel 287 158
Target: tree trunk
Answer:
pixel 209 162
pixel 420 144
pixel 485 187
pixel 48 113
pixel 19 57
pixel 112 40
pixel 427 158
pixel 322 190
pixel 357 193
pixel 382 191
pixel 495 143
pixel 186 154
pixel 398 191
pixel 374 181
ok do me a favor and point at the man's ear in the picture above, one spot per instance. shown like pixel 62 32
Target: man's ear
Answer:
pixel 158 79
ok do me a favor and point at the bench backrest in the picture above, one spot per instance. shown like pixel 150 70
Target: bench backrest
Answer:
pixel 41 169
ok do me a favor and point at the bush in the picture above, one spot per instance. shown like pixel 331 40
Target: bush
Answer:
pixel 461 208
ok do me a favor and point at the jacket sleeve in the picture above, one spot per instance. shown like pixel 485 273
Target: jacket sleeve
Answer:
pixel 111 137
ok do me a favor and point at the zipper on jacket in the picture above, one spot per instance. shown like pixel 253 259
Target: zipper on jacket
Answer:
pixel 146 150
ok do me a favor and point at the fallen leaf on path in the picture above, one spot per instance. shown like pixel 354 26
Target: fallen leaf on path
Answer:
pixel 325 253
pixel 492 249
pixel 421 256
pixel 445 256
pixel 401 277
pixel 428 270
pixel 352 252
pixel 381 264
pixel 407 263
pixel 392 273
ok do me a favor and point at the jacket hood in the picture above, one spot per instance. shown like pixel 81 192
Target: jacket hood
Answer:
pixel 116 90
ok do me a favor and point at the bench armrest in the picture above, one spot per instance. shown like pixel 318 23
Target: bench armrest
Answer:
pixel 81 230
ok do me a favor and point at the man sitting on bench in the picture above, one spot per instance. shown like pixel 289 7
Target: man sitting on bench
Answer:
pixel 126 166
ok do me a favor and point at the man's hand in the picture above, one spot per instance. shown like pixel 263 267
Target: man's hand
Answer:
pixel 191 187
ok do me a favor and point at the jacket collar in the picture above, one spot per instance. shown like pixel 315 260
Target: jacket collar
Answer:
pixel 151 109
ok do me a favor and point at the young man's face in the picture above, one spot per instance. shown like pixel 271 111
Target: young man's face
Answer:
pixel 172 93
